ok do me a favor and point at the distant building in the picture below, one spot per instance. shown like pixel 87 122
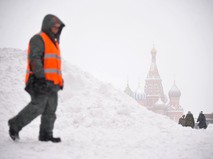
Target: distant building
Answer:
pixel 209 118
pixel 153 97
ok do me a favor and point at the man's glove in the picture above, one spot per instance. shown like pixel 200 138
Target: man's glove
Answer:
pixel 41 81
pixel 40 85
pixel 62 87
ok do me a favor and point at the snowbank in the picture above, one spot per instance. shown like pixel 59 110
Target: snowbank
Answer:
pixel 95 121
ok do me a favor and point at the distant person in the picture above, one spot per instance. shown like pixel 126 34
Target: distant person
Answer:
pixel 43 80
pixel 190 120
pixel 182 121
pixel 202 121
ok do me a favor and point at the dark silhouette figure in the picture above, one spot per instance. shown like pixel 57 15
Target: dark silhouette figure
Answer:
pixel 182 121
pixel 190 120
pixel 202 121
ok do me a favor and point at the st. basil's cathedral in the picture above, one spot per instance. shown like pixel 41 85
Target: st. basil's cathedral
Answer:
pixel 153 96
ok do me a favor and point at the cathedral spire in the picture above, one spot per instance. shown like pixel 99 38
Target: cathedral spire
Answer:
pixel 153 53
pixel 153 71
pixel 153 85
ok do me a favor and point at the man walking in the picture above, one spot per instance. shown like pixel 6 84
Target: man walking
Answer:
pixel 202 121
pixel 43 80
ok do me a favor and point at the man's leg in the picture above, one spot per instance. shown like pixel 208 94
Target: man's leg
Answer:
pixel 48 119
pixel 30 112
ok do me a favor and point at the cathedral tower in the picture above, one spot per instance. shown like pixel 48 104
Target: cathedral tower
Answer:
pixel 153 86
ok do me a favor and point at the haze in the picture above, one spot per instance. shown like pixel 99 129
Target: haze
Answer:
pixel 112 40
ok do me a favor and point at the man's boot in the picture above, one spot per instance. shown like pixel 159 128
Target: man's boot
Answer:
pixel 13 134
pixel 46 137
pixel 50 138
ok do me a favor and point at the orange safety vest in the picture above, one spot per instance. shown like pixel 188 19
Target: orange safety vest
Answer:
pixel 52 61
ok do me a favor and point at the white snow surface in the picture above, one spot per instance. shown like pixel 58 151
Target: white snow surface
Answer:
pixel 94 120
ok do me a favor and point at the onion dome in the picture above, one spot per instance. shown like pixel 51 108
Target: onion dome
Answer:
pixel 128 90
pixel 174 91
pixel 139 93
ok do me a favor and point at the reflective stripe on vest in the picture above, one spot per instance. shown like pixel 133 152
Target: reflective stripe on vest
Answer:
pixel 47 71
pixel 52 56
pixel 52 71
pixel 52 62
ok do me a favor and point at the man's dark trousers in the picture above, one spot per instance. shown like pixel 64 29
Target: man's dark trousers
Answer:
pixel 41 104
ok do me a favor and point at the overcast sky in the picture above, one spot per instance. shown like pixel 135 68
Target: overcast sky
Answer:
pixel 112 40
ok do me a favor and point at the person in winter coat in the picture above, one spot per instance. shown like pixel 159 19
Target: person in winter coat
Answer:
pixel 190 120
pixel 182 121
pixel 43 81
pixel 202 121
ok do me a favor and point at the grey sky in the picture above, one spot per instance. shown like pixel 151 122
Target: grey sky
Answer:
pixel 112 40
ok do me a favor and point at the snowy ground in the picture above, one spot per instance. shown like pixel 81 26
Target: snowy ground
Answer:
pixel 95 121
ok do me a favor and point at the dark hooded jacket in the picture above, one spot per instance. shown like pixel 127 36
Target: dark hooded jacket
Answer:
pixel 189 120
pixel 37 82
pixel 182 121
pixel 202 121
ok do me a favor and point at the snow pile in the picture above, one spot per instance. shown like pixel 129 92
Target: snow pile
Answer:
pixel 95 121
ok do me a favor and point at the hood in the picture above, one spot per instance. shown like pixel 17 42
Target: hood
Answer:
pixel 48 22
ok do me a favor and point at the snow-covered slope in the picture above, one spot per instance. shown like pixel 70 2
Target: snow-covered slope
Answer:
pixel 94 120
